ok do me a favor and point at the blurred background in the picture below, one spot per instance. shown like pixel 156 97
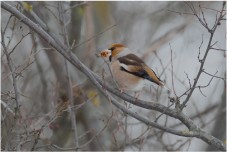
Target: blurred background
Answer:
pixel 152 30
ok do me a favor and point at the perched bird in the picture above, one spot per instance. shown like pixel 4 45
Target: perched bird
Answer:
pixel 129 71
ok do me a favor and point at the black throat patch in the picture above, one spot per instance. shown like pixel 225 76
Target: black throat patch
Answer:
pixel 110 58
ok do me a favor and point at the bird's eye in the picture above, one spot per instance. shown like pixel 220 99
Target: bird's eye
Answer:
pixel 112 48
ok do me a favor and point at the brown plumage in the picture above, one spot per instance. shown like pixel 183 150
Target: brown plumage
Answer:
pixel 129 70
pixel 116 48
pixel 137 67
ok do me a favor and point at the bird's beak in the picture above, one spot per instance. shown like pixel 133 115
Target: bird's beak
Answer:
pixel 104 53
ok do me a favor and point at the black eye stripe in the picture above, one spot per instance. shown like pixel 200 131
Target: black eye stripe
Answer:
pixel 112 48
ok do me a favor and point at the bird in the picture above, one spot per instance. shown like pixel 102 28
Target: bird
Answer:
pixel 129 71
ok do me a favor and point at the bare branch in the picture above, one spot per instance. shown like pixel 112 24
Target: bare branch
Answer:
pixel 204 19
pixel 7 107
pixel 97 35
pixel 180 13
pixel 211 9
pixel 23 36
pixel 138 139
pixel 190 5
pixel 171 51
pixel 69 83
pixel 214 75
pixel 200 49
pixel 218 49
pixel 190 85
pixel 10 65
pixel 76 5
pixel 209 46
pixel 156 120
pixel 35 16
pixel 37 138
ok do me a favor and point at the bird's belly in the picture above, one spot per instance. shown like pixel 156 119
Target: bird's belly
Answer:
pixel 127 81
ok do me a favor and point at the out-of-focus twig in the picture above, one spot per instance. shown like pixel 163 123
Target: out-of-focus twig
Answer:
pixel 76 5
pixel 23 36
pixel 7 107
pixel 96 35
pixel 69 83
pixel 165 38
pixel 10 65
pixel 171 51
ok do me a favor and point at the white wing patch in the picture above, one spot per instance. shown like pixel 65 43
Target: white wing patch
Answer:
pixel 124 66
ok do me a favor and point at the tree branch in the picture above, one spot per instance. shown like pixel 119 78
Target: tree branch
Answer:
pixel 209 46
pixel 69 83
pixel 10 65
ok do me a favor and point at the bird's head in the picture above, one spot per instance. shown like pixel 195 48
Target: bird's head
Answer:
pixel 113 51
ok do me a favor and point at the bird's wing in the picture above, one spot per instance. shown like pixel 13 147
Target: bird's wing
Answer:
pixel 131 59
pixel 134 65
pixel 153 76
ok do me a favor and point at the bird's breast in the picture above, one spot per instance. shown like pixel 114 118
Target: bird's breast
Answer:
pixel 126 80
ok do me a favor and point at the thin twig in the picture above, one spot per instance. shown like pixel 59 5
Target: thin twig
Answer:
pixel 36 17
pixel 190 5
pixel 10 64
pixel 4 31
pixel 149 136
pixel 97 35
pixel 190 85
pixel 209 45
pixel 7 107
pixel 37 138
pixel 23 36
pixel 200 49
pixel 156 120
pixel 209 81
pixel 12 34
pixel 180 13
pixel 211 9
pixel 214 75
pixel 172 69
pixel 218 49
pixel 204 19
pixel 69 83
pixel 74 6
